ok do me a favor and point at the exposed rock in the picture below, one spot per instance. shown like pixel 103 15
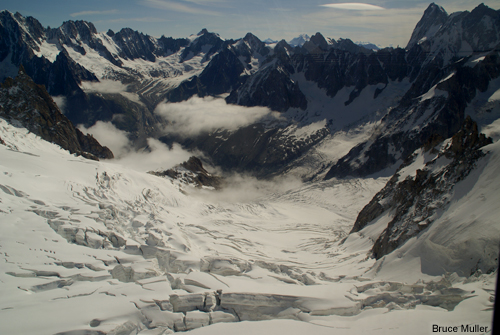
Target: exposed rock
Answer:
pixel 417 118
pixel 434 17
pixel 413 201
pixel 24 101
pixel 192 172
pixel 271 87
pixel 258 148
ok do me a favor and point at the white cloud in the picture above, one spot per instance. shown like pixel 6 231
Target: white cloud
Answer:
pixel 94 12
pixel 60 101
pixel 107 134
pixel 201 115
pixel 353 6
pixel 241 188
pixel 155 156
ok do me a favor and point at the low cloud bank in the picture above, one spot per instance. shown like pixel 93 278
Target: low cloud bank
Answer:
pixel 241 188
pixel 155 156
pixel 201 115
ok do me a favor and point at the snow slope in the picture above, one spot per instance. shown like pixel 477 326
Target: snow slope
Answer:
pixel 98 247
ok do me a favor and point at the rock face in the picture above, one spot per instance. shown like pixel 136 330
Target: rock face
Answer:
pixel 444 82
pixel 412 199
pixel 192 172
pixel 434 17
pixel 23 101
pixel 259 148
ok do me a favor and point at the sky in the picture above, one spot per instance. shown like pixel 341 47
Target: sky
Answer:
pixel 383 22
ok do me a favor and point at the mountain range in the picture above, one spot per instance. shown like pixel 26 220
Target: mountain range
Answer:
pixel 124 77
pixel 378 167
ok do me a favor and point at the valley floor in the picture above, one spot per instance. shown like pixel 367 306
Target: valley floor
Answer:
pixel 97 248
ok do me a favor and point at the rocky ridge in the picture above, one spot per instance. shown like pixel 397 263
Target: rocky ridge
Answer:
pixel 24 102
pixel 414 197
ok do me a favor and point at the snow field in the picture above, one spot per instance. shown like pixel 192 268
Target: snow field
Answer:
pixel 94 246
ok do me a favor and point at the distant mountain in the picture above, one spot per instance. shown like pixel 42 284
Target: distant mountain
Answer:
pixel 368 45
pixel 269 41
pixel 299 40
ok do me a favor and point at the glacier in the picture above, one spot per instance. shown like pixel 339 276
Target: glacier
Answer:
pixel 95 247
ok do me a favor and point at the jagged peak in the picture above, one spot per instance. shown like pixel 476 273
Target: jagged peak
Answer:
pixel 432 19
pixel 299 40
pixel 482 10
pixel 319 40
pixel 433 7
pixel 203 32
pixel 6 12
pixel 79 25
pixel 282 44
pixel 251 37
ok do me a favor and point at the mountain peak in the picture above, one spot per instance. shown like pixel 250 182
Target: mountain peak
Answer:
pixel 482 10
pixel 432 19
pixel 433 7
pixel 202 32
pixel 299 40
pixel 251 37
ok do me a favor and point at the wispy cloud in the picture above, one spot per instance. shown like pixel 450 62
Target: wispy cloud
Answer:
pixel 353 6
pixel 94 12
pixel 136 19
pixel 209 2
pixel 189 7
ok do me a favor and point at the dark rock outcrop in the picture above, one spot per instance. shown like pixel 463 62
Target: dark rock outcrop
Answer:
pixel 413 201
pixel 192 172
pixel 31 105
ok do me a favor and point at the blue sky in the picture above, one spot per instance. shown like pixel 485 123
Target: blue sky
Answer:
pixel 382 22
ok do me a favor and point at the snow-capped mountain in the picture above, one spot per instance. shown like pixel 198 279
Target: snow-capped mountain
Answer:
pixel 409 241
pixel 448 79
pixel 368 45
pixel 270 41
pixel 126 77
pixel 299 40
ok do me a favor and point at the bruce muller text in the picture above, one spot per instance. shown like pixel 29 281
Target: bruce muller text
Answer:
pixel 461 328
